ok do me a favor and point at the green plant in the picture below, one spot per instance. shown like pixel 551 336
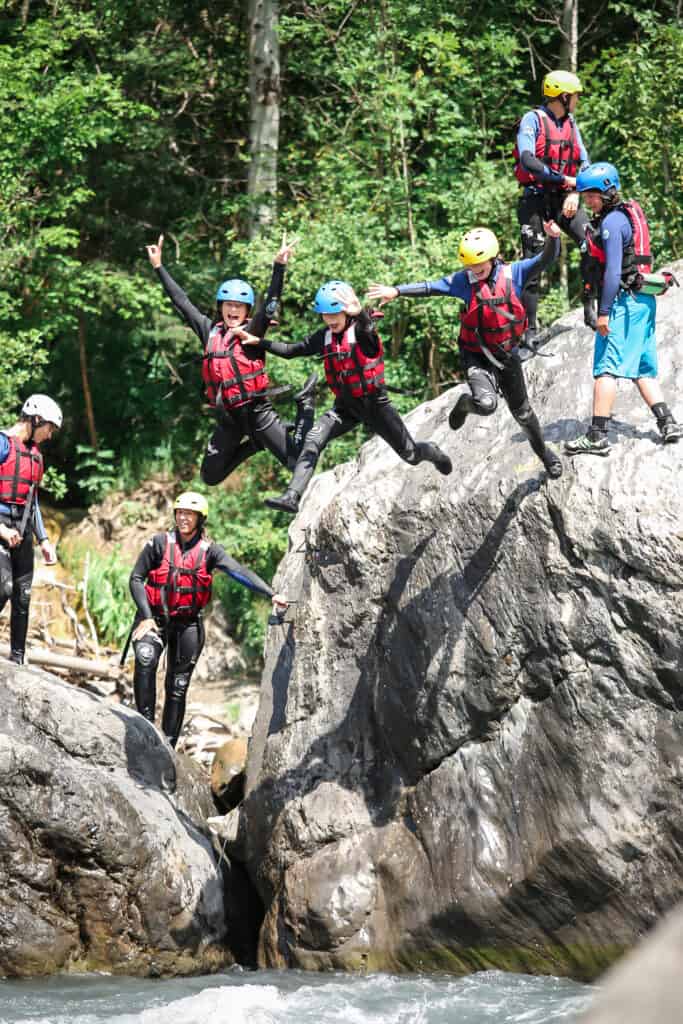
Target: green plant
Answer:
pixel 54 483
pixel 108 596
pixel 96 470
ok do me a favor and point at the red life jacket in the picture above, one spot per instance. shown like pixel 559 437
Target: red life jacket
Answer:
pixel 239 375
pixel 21 470
pixel 637 258
pixel 347 369
pixel 181 586
pixel 494 318
pixel 557 145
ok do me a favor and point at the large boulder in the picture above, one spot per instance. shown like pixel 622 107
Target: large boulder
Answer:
pixel 469 745
pixel 105 859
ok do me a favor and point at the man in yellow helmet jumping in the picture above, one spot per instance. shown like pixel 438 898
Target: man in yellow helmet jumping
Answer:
pixel 548 156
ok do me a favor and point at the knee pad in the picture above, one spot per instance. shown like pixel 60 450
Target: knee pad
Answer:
pixel 524 414
pixel 485 404
pixel 5 584
pixel 146 653
pixel 21 594
pixel 177 686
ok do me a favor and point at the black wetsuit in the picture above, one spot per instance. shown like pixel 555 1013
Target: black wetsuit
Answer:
pixel 537 203
pixel 184 636
pixel 248 428
pixel 375 411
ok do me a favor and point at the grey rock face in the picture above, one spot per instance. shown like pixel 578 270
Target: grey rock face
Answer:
pixel 104 859
pixel 469 748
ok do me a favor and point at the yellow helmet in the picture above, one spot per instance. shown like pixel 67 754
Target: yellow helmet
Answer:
pixel 477 246
pixel 192 502
pixel 556 83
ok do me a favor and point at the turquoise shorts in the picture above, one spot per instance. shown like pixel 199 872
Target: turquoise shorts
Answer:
pixel 629 350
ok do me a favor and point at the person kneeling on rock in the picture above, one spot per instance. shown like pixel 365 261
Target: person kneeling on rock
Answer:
pixel 491 329
pixel 171 584
pixel 353 358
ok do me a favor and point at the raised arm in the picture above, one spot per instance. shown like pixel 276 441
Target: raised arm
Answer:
pixel 200 324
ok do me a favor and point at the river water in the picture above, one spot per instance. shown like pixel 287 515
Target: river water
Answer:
pixel 294 997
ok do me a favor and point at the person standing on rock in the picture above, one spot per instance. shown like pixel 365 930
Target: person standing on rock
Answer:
pixel 171 584
pixel 21 470
pixel 491 329
pixel 618 244
pixel 353 358
pixel 236 382
pixel 549 153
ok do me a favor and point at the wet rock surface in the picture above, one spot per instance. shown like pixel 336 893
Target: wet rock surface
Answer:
pixel 469 747
pixel 105 859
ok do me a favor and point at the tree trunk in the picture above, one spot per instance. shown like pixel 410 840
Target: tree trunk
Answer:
pixel 569 49
pixel 264 102
pixel 89 412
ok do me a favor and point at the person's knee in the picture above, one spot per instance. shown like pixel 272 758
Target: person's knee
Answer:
pixel 21 594
pixel 524 414
pixel 146 653
pixel 6 584
pixel 177 686
pixel 485 403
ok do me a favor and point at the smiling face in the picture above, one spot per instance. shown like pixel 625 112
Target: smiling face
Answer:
pixel 481 270
pixel 335 321
pixel 187 522
pixel 234 313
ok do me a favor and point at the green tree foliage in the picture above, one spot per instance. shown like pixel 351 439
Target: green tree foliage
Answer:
pixel 119 121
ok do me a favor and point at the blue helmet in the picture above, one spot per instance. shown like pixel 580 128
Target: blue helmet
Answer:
pixel 235 290
pixel 600 177
pixel 326 297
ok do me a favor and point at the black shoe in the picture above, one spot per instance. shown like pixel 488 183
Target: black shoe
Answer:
pixel 287 502
pixel 308 390
pixel 552 463
pixel 431 453
pixel 17 657
pixel 670 430
pixel 460 411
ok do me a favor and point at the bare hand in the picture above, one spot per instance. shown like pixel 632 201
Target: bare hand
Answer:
pixel 154 252
pixel 603 325
pixel 551 229
pixel 349 299
pixel 49 553
pixel 144 627
pixel 570 205
pixel 569 181
pixel 245 337
pixel 10 536
pixel 286 250
pixel 384 292
pixel 280 604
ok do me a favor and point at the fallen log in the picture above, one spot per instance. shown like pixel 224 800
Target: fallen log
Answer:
pixel 38 656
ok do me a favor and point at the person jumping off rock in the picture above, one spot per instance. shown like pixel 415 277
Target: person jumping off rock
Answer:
pixel 491 328
pixel 21 470
pixel 618 246
pixel 171 584
pixel 236 381
pixel 548 155
pixel 353 357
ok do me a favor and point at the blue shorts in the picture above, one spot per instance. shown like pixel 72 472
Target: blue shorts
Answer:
pixel 629 350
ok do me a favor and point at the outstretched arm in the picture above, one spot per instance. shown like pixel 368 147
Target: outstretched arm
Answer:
pixel 220 560
pixel 200 324
pixel 261 320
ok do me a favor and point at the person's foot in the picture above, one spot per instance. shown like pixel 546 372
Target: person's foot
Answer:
pixel 588 444
pixel 287 502
pixel 460 411
pixel 432 453
pixel 670 430
pixel 552 464
pixel 308 390
pixel 17 657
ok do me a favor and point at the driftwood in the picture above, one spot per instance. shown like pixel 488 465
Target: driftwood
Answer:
pixel 36 656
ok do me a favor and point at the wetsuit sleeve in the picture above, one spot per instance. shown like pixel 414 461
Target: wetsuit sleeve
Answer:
pixel 148 559
pixel 260 322
pixel 218 560
pixel 521 269
pixel 366 334
pixel 455 286
pixel 585 159
pixel 526 147
pixel 200 324
pixel 38 525
pixel 312 346
pixel 615 233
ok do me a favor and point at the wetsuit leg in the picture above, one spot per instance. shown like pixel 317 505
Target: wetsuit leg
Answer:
pixel 5 575
pixel 147 653
pixel 225 451
pixel 305 417
pixel 16 577
pixel 482 377
pixel 331 424
pixel 184 647
pixel 531 214
pixel 513 387
pixel 382 417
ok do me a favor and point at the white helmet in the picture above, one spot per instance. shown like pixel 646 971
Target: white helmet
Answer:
pixel 46 408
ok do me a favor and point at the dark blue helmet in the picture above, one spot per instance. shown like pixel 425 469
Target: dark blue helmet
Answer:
pixel 235 290
pixel 598 177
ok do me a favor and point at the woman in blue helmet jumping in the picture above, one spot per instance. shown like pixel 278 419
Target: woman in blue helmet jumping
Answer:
pixel 235 379
pixel 353 359
pixel 616 258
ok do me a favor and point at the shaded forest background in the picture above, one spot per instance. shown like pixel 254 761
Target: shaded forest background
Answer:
pixel 396 126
